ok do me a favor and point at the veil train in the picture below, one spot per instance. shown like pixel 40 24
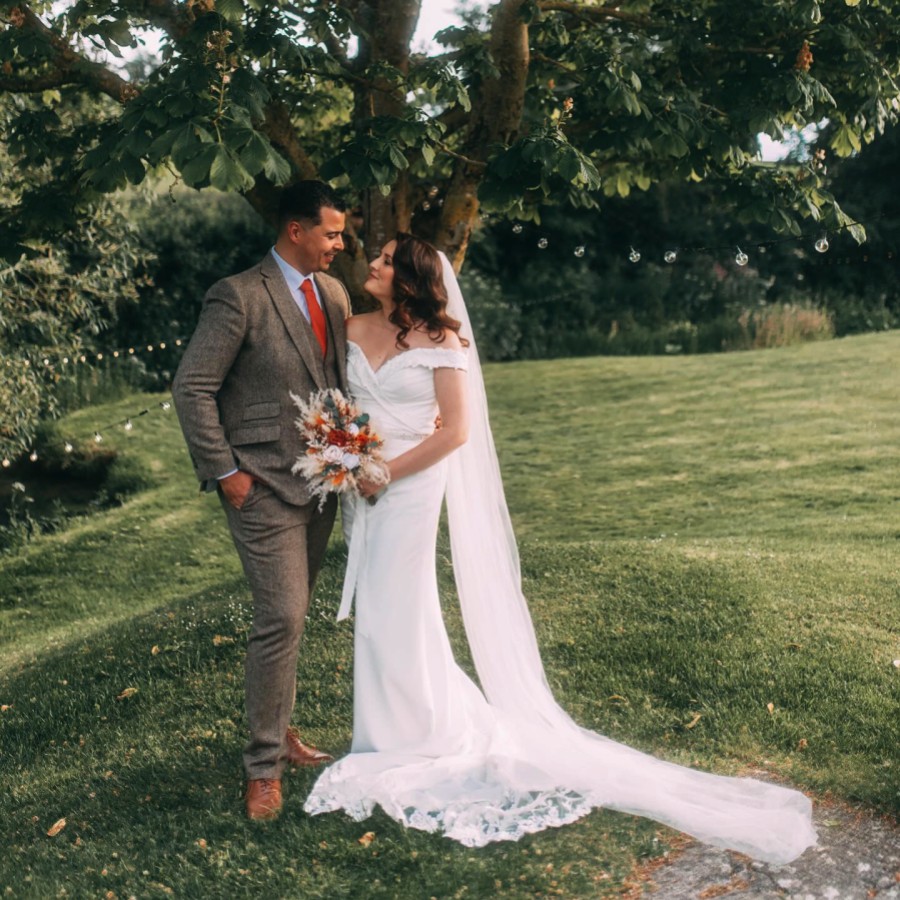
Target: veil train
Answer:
pixel 543 751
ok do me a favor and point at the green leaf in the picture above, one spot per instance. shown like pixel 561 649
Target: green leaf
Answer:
pixel 846 141
pixel 133 168
pixel 276 168
pixel 233 10
pixel 427 152
pixel 397 158
pixel 226 172
pixel 857 231
pixel 196 172
pixel 255 153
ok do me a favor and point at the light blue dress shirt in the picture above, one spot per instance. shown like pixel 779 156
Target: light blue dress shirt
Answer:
pixel 294 278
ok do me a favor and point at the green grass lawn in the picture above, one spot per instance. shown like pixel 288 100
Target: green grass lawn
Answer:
pixel 711 550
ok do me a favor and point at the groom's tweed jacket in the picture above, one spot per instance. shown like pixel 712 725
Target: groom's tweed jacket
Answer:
pixel 251 349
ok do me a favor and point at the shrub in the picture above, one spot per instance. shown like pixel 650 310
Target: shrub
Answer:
pixel 783 324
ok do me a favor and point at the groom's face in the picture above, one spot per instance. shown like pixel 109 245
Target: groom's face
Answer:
pixel 315 246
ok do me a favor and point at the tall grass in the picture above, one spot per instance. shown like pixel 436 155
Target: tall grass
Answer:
pixel 785 324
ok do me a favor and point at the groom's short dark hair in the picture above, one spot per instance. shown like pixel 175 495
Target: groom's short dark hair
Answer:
pixel 305 199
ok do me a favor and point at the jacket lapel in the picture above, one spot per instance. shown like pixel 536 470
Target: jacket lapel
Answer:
pixel 294 321
pixel 336 311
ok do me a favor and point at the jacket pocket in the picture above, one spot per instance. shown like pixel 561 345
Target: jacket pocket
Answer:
pixel 268 409
pixel 255 434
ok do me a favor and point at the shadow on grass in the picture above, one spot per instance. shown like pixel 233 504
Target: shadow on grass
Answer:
pixel 134 734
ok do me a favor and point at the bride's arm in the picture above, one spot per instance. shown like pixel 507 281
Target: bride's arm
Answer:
pixel 450 389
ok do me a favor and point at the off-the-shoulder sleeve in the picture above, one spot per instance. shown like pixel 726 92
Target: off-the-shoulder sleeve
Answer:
pixel 433 358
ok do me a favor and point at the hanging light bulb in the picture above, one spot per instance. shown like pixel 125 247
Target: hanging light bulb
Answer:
pixel 822 244
pixel 634 256
pixel 99 357
pixel 162 346
pixel 128 425
pixel 166 405
pixel 33 456
pixel 6 463
pixel 98 438
pixel 68 447
pixel 579 251
pixel 670 256
pixel 542 244
pixel 178 342
pixel 116 354
pixel 517 228
pixel 741 258
pixel 426 205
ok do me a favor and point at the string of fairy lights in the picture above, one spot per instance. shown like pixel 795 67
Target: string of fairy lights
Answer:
pixel 50 360
pixel 820 242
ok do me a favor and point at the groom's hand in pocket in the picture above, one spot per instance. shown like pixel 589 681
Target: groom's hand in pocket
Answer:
pixel 236 487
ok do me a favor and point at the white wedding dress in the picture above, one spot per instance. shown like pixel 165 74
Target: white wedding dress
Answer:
pixel 429 747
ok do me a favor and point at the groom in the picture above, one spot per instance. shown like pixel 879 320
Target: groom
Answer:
pixel 276 328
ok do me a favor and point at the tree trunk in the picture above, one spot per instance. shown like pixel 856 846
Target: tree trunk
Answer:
pixel 391 23
pixel 496 118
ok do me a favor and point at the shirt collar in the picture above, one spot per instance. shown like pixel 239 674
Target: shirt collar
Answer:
pixel 293 276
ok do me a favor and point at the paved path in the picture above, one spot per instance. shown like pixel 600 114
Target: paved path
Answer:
pixel 858 858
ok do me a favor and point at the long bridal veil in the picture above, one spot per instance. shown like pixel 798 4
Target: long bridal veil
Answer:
pixel 545 760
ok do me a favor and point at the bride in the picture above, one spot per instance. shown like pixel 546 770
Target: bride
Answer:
pixel 430 747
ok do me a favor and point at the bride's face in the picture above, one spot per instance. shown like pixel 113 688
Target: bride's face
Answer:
pixel 380 283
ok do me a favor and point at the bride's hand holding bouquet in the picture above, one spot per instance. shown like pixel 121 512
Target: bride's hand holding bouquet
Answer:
pixel 343 454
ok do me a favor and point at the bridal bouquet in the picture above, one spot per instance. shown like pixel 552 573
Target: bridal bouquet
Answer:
pixel 341 447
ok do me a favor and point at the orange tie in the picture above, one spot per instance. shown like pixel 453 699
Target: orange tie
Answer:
pixel 316 316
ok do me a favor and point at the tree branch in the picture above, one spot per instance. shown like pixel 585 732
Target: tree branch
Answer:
pixel 35 84
pixel 173 18
pixel 478 164
pixel 279 129
pixel 69 66
pixel 595 12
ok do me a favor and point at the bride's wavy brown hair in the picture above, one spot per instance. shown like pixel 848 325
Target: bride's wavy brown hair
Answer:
pixel 419 292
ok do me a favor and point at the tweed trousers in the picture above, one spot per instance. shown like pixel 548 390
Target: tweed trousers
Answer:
pixel 281 548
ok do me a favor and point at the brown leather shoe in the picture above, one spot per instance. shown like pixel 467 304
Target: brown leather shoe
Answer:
pixel 263 798
pixel 299 754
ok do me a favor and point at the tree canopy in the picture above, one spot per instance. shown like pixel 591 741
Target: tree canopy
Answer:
pixel 533 101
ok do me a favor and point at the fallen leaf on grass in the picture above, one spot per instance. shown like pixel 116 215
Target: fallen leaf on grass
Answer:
pixel 154 650
pixel 896 663
pixel 771 708
pixel 201 843
pixel 367 838
pixel 128 692
pixel 220 639
pixel 6 707
pixel 802 744
pixel 56 828
pixel 694 721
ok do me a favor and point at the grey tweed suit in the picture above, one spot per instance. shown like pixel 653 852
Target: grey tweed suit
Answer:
pixel 251 348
